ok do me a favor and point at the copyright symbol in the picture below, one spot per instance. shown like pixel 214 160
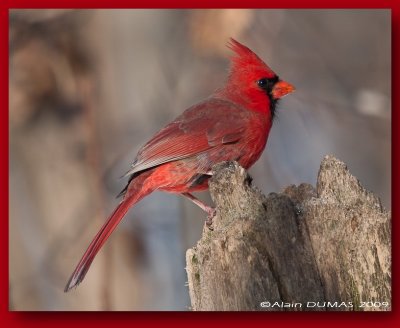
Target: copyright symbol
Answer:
pixel 265 304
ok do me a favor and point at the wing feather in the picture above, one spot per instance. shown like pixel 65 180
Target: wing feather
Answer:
pixel 201 127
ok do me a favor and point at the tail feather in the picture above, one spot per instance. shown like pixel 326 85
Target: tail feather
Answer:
pixel 101 237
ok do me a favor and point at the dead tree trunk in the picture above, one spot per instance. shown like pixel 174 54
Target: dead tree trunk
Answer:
pixel 303 249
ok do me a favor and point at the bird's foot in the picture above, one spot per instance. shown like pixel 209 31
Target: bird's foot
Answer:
pixel 211 212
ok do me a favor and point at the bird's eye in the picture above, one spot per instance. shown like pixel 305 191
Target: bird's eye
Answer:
pixel 262 83
pixel 267 83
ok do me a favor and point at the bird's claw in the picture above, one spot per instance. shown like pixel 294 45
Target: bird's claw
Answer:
pixel 210 217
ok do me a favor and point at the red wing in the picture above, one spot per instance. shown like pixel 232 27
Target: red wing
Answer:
pixel 200 128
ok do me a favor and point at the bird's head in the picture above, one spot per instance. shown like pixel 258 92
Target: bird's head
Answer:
pixel 252 83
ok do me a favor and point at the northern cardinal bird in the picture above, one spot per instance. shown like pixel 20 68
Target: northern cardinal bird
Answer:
pixel 232 124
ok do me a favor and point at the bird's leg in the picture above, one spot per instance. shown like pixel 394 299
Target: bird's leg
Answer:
pixel 209 210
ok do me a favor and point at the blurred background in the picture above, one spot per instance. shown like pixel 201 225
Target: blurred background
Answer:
pixel 87 88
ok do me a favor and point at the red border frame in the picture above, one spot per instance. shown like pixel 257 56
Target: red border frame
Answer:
pixel 180 319
pixel 199 4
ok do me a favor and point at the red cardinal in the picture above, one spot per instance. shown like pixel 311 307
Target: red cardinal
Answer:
pixel 232 124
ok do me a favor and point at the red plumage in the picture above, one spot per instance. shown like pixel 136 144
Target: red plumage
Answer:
pixel 232 124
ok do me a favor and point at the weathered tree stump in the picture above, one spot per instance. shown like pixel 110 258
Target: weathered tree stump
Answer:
pixel 303 249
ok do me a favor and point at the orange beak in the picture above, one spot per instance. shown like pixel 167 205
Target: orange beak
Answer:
pixel 281 89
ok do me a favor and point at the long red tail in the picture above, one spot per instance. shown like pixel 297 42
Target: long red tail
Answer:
pixel 132 197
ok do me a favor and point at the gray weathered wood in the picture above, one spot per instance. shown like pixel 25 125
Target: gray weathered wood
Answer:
pixel 297 250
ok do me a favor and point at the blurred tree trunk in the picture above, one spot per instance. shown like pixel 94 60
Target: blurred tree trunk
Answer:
pixel 297 250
